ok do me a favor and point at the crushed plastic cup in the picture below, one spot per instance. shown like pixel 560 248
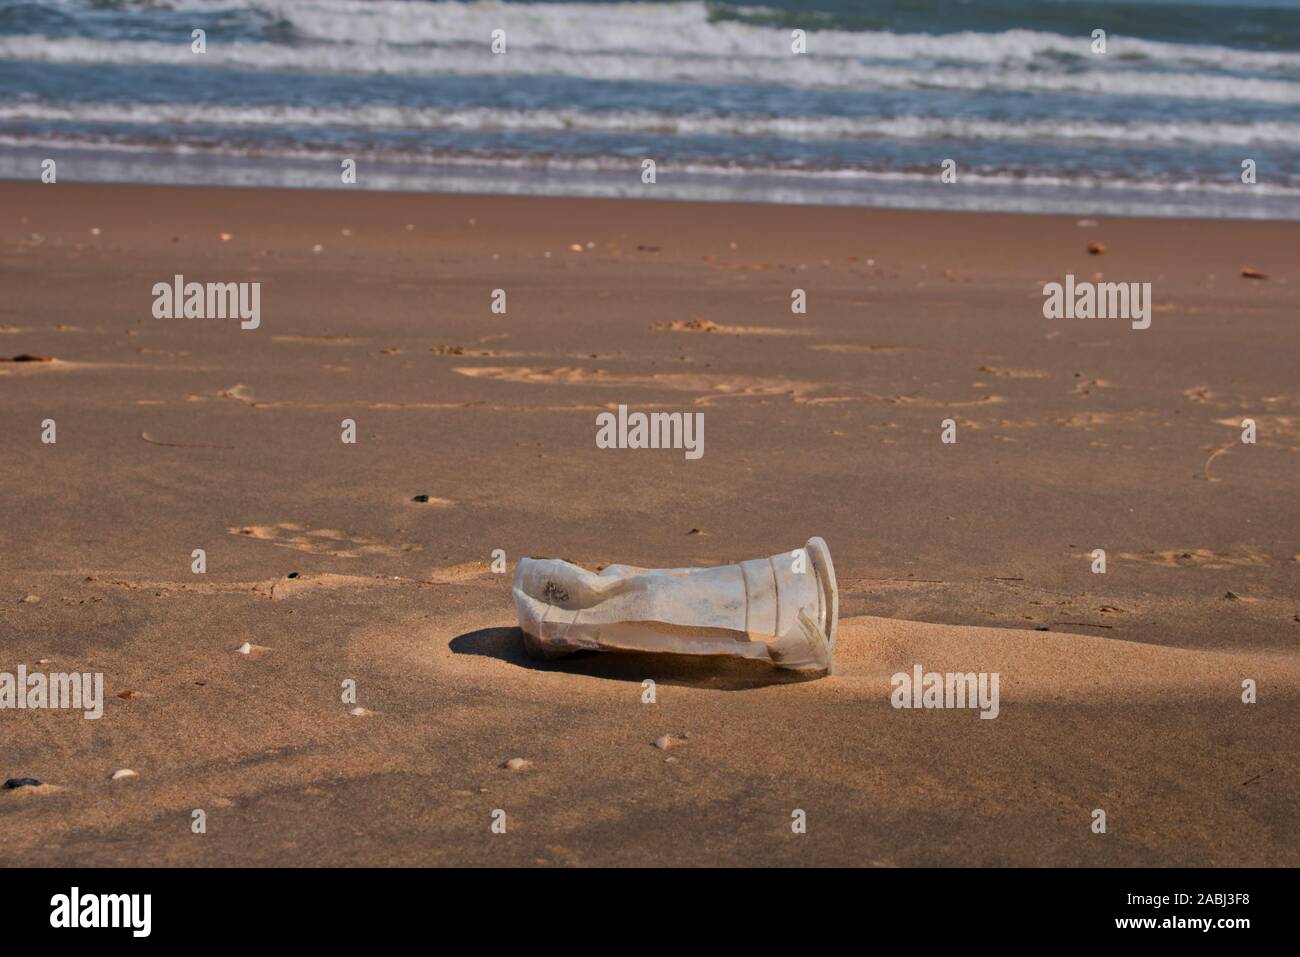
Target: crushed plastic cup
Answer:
pixel 783 609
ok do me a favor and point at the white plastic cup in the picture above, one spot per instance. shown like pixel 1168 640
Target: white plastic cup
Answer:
pixel 783 609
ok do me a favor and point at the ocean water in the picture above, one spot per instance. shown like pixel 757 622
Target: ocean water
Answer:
pixel 585 91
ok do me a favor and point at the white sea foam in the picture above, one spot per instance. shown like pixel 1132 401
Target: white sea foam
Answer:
pixel 674 29
pixel 630 170
pixel 678 43
pixel 566 121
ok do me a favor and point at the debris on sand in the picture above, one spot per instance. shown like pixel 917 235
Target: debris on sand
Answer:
pixel 30 599
pixel 123 773
pixel 26 357
pixel 245 649
pixel 14 784
pixel 690 325
pixel 1248 273
pixel 518 764
pixel 360 712
pixel 1095 249
pixel 666 741
pixel 788 614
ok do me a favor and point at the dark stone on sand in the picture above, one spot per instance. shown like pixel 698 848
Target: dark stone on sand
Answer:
pixel 14 783
pixel 420 498
pixel 292 575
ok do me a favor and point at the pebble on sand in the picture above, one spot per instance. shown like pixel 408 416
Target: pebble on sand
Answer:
pixel 360 712
pixel 245 649
pixel 518 764
pixel 666 741
pixel 1248 273
pixel 1095 249
pixel 30 599
pixel 123 773
pixel 14 783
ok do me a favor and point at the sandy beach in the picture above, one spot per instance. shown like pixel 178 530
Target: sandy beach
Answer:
pixel 1120 691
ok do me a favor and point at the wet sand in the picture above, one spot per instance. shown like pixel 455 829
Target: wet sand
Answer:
pixel 177 434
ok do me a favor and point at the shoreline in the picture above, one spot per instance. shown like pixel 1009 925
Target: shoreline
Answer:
pixel 847 189
pixel 22 183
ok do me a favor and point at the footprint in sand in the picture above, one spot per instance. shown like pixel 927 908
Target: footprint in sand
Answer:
pixel 859 348
pixel 323 340
pixel 321 541
pixel 678 381
pixel 1244 556
pixel 713 386
pixel 1004 372
pixel 708 325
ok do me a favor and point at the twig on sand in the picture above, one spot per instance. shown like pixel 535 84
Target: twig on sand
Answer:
pixel 182 445
pixel 1214 455
pixel 927 581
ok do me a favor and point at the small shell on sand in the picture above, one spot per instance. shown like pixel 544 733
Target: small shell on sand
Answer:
pixel 664 742
pixel 123 773
pixel 360 712
pixel 245 649
pixel 30 599
pixel 518 764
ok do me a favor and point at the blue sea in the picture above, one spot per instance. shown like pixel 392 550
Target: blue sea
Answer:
pixel 584 92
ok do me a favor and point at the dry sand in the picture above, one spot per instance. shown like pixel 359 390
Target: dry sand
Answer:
pixel 1072 435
